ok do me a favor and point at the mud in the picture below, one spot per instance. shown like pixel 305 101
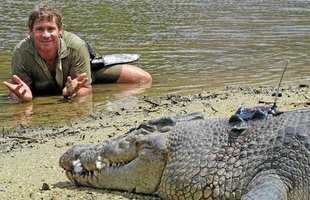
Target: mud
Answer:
pixel 29 156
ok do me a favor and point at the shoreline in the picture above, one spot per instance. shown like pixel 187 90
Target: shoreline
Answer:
pixel 29 156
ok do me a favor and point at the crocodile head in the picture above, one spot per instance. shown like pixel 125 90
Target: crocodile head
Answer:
pixel 132 162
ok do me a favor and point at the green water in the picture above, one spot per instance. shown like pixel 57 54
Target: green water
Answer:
pixel 187 46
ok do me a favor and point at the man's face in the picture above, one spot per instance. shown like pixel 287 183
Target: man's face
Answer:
pixel 46 36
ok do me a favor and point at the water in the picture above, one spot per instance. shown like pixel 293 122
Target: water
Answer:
pixel 187 46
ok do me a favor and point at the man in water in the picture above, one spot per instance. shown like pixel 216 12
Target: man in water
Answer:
pixel 54 61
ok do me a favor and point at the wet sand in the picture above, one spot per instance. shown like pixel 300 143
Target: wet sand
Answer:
pixel 29 157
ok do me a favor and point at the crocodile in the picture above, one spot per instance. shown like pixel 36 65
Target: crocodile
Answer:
pixel 189 157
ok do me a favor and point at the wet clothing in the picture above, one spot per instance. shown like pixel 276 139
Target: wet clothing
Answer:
pixel 107 74
pixel 73 59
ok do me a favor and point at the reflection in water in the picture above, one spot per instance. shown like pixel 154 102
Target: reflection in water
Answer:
pixel 26 115
pixel 55 110
pixel 127 90
pixel 22 114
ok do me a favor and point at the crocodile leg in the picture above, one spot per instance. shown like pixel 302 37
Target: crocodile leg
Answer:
pixel 266 187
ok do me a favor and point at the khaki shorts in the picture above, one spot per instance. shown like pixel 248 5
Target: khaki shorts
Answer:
pixel 107 74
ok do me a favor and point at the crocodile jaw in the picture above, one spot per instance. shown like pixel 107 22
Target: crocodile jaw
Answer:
pixel 132 163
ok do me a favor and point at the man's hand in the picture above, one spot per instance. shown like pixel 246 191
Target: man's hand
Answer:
pixel 20 90
pixel 76 86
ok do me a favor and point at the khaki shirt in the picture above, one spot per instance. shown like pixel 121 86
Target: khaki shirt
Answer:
pixel 73 59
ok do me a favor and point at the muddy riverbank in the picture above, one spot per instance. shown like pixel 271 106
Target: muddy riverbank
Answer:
pixel 29 157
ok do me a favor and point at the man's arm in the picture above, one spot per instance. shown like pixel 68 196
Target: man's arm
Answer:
pixel 80 85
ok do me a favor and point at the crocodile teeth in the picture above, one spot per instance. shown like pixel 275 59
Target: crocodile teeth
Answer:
pixel 77 166
pixel 99 158
pixel 100 165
